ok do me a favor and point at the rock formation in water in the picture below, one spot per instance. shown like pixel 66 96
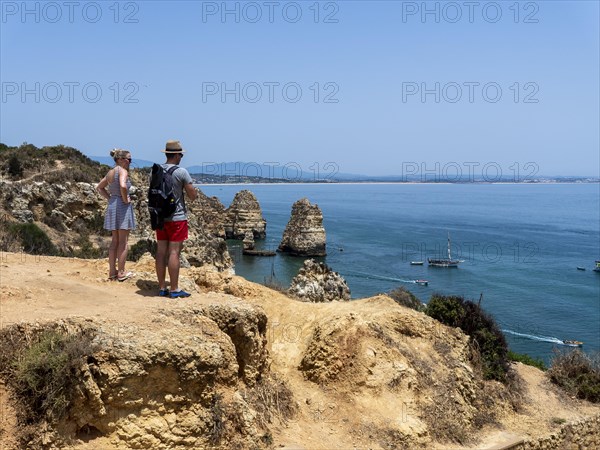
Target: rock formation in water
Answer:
pixel 304 234
pixel 248 242
pixel 316 282
pixel 244 215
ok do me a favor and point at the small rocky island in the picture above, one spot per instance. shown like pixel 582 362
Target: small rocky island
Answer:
pixel 316 282
pixel 304 234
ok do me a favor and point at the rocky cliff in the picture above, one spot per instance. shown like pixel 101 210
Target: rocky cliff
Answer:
pixel 316 282
pixel 177 381
pixel 238 365
pixel 62 206
pixel 67 211
pixel 243 216
pixel 304 235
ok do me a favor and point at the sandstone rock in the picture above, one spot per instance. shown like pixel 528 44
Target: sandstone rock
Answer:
pixel 248 242
pixel 209 215
pixel 316 282
pixel 206 250
pixel 304 234
pixel 77 207
pixel 244 215
pixel 165 383
pixel 68 204
pixel 246 326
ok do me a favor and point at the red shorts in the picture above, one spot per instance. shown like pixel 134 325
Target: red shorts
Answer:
pixel 176 231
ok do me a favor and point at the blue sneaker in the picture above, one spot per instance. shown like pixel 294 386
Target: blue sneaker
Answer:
pixel 179 294
pixel 163 293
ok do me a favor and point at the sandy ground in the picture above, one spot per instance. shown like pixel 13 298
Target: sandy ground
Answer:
pixel 43 288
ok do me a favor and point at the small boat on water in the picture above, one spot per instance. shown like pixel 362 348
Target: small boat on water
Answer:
pixel 445 262
pixel 597 268
pixel 580 268
pixel 422 282
pixel 572 343
pixel 416 263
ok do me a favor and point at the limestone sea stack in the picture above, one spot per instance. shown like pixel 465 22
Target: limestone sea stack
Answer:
pixel 244 215
pixel 304 234
pixel 316 282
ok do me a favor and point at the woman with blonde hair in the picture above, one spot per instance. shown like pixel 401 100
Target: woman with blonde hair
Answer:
pixel 119 218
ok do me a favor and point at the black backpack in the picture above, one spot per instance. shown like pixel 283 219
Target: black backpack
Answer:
pixel 161 200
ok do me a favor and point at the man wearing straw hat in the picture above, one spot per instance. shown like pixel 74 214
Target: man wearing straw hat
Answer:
pixel 170 238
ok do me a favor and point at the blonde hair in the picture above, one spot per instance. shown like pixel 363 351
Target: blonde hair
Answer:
pixel 117 153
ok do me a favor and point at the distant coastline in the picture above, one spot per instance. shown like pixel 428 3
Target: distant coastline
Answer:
pixel 392 182
pixel 236 173
pixel 200 179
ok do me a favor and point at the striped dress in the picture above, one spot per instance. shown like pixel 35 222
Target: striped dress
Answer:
pixel 119 216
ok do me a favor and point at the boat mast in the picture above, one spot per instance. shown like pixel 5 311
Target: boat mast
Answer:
pixel 449 257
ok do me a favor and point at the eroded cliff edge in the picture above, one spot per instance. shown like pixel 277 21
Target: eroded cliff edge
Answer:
pixel 239 365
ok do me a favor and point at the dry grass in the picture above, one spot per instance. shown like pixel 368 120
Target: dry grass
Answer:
pixel 41 368
pixel 577 373
pixel 272 399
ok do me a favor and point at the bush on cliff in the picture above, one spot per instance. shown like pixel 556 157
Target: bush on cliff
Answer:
pixel 32 239
pixel 140 248
pixel 404 297
pixel 15 168
pixel 577 373
pixel 42 371
pixel 526 359
pixel 485 334
pixel 28 160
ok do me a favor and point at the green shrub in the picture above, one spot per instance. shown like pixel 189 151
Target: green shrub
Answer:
pixel 43 374
pixel 404 297
pixel 485 334
pixel 140 247
pixel 40 163
pixel 33 239
pixel 86 249
pixel 526 359
pixel 577 373
pixel 15 168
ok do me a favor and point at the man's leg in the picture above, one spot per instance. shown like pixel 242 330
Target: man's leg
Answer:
pixel 173 263
pixel 161 263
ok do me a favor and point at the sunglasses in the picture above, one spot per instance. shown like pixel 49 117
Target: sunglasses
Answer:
pixel 128 159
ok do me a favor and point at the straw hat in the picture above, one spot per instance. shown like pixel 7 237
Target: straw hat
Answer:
pixel 173 147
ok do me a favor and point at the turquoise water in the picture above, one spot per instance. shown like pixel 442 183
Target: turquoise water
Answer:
pixel 521 245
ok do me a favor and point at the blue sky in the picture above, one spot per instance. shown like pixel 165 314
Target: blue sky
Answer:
pixel 374 87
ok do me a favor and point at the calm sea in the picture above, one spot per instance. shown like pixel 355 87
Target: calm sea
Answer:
pixel 521 243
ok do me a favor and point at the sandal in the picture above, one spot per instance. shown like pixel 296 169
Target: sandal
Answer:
pixel 126 276
pixel 112 277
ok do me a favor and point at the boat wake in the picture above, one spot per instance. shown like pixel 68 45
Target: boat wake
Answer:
pixel 377 277
pixel 533 337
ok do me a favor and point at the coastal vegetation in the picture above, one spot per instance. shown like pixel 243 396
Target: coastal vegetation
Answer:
pixel 42 371
pixel 404 297
pixel 56 163
pixel 30 238
pixel 577 373
pixel 486 336
pixel 526 359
